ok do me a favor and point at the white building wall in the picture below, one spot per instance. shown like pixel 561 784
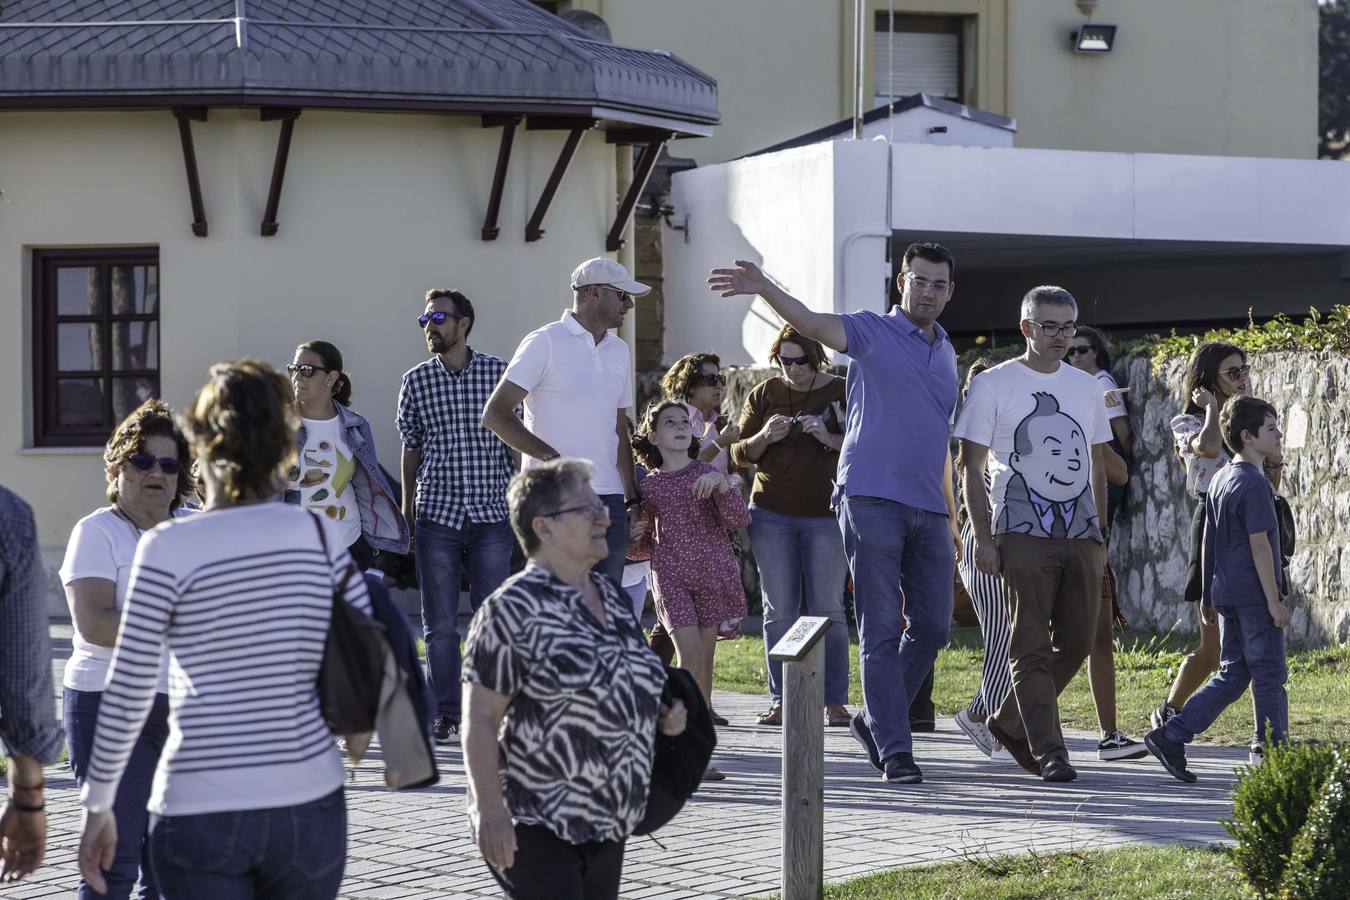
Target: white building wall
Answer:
pixel 375 210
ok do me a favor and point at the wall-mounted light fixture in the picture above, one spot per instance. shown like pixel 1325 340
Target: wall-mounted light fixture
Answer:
pixel 1092 38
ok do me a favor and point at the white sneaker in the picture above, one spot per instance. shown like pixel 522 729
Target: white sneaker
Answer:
pixel 978 732
pixel 1001 754
pixel 1255 753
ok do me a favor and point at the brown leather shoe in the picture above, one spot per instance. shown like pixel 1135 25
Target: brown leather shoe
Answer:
pixel 838 716
pixel 772 716
pixel 1018 747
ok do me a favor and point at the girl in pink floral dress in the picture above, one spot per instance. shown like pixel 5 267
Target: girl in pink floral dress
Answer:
pixel 688 507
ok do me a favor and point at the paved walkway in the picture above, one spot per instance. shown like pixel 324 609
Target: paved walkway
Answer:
pixel 726 842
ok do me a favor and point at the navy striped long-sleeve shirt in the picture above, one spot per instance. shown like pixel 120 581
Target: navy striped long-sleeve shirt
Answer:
pixel 242 598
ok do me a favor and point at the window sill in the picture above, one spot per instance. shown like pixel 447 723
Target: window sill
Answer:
pixel 61 451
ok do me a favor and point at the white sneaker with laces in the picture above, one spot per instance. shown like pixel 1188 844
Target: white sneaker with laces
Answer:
pixel 1001 754
pixel 978 732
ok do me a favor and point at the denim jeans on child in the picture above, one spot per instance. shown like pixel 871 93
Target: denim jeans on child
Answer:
pixel 288 853
pixel 802 558
pixel 896 551
pixel 80 711
pixel 1251 651
pixel 442 553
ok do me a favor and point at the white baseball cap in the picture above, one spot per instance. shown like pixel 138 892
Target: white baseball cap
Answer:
pixel 603 270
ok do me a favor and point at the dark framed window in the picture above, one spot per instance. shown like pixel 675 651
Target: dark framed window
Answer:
pixel 96 341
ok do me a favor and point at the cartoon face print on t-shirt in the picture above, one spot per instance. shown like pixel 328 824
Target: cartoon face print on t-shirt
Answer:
pixel 1053 470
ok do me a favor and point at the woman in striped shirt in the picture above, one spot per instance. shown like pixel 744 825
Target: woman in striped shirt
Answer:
pixel 247 800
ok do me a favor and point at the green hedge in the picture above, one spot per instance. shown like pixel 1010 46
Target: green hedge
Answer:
pixel 1319 865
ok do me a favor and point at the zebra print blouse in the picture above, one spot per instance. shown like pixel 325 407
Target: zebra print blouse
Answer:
pixel 576 744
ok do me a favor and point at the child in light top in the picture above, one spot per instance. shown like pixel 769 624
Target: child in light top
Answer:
pixel 1241 588
pixel 689 507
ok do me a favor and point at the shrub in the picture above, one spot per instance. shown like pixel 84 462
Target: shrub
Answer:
pixel 1319 865
pixel 1271 803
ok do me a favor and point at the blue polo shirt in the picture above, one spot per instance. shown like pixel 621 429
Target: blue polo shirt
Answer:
pixel 1240 502
pixel 901 392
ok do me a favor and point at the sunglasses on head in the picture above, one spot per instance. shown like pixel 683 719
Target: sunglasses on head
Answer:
pixel 305 370
pixel 144 462
pixel 436 318
pixel 794 360
pixel 1076 351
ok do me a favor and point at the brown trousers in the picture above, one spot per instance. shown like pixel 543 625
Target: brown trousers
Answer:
pixel 1053 590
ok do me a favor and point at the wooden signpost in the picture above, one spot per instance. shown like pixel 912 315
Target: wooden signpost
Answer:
pixel 803 656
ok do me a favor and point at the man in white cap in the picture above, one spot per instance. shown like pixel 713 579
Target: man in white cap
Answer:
pixel 575 380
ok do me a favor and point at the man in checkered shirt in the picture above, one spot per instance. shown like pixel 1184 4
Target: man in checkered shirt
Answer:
pixel 454 474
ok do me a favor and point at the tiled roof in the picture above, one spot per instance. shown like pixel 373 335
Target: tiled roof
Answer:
pixel 486 55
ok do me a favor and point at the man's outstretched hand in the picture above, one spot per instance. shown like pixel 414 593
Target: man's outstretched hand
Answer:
pixel 746 278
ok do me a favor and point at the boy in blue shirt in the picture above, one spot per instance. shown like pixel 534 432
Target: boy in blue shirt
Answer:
pixel 1241 587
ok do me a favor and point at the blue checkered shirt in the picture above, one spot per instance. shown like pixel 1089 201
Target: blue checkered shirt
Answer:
pixel 465 467
pixel 28 724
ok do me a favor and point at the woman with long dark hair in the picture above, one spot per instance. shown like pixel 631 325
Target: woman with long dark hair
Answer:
pixel 1216 372
pixel 336 473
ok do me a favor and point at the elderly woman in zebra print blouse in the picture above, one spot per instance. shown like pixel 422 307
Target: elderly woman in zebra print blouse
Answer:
pixel 557 655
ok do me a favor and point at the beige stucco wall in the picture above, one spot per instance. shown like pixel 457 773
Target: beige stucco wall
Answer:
pixel 1220 77
pixel 375 210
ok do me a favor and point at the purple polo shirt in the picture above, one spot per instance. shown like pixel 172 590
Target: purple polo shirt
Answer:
pixel 901 393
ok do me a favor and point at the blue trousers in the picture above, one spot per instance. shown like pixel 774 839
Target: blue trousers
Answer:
pixel 1251 651
pixel 801 561
pixel 442 555
pixel 287 853
pixel 902 558
pixel 616 537
pixel 79 709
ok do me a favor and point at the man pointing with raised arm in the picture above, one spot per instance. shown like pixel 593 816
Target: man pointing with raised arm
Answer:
pixel 893 493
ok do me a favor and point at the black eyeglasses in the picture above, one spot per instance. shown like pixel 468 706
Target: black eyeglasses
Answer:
pixel 144 462
pixel 437 318
pixel 1052 329
pixel 595 510
pixel 305 370
pixel 624 296
pixel 1237 372
pixel 717 379
pixel 794 360
pixel 1076 351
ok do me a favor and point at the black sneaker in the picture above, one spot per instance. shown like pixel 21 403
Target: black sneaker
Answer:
pixel 445 731
pixel 1118 746
pixel 863 735
pixel 1172 754
pixel 900 769
pixel 1162 715
pixel 924 726
pixel 1255 754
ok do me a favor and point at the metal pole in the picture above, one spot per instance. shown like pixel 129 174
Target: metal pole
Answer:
pixel 859 23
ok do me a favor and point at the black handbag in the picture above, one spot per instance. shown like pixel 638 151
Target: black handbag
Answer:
pixel 352 670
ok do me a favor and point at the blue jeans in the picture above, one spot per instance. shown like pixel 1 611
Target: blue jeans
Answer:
pixel 897 552
pixel 80 711
pixel 1251 651
pixel 442 553
pixel 802 557
pixel 616 537
pixel 287 853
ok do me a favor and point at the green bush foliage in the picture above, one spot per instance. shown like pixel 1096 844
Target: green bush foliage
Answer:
pixel 1271 803
pixel 1316 332
pixel 1319 865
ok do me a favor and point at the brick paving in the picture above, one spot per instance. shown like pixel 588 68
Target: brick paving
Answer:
pixel 726 842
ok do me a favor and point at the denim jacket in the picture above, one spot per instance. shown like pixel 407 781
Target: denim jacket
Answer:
pixel 382 522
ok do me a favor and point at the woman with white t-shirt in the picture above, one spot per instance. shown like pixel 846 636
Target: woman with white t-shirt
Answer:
pixel 1216 372
pixel 336 473
pixel 146 461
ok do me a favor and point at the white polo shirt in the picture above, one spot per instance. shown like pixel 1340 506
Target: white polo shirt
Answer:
pixel 574 390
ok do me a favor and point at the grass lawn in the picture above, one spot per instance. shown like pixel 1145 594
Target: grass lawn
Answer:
pixel 1319 704
pixel 1154 872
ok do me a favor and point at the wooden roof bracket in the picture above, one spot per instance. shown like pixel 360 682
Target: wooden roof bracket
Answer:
pixel 508 124
pixel 641 175
pixel 186 116
pixel 287 117
pixel 533 229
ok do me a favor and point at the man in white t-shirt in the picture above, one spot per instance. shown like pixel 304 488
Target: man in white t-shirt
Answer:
pixel 575 380
pixel 1040 425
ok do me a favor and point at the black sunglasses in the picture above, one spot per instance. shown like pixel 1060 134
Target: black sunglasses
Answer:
pixel 1076 351
pixel 305 369
pixel 437 318
pixel 144 462
pixel 1237 371
pixel 794 360
pixel 717 379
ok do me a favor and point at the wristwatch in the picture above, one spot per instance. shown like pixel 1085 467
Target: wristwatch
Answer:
pixel 632 503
